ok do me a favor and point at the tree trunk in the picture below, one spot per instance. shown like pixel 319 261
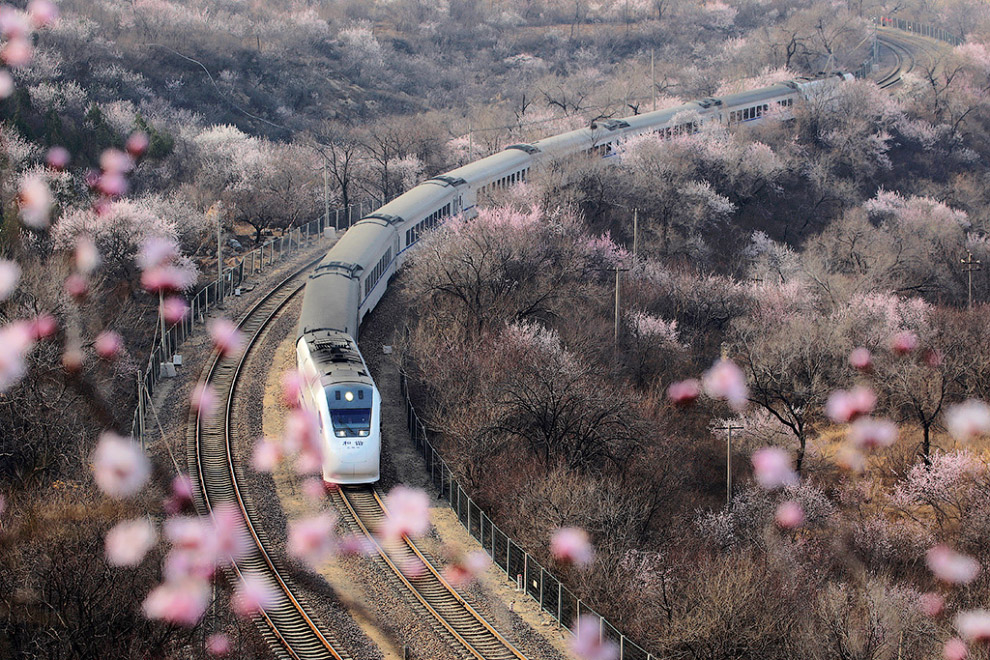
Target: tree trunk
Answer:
pixel 802 441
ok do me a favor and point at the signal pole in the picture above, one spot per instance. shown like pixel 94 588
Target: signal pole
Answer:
pixel 728 428
pixel 970 265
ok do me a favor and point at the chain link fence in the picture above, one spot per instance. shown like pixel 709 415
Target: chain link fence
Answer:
pixel 914 27
pixel 257 261
pixel 520 567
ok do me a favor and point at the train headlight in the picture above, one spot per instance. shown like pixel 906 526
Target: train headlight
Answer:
pixel 362 433
pixel 349 396
pixel 340 434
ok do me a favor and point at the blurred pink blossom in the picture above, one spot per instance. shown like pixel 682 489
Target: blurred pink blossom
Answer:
pixel 789 515
pixel 684 393
pixel 933 358
pixel 252 595
pixel 408 513
pixel 951 566
pixel 869 433
pixel 137 144
pixel 726 381
pixel 156 252
pixel 233 540
pixel 861 359
pixel 42 327
pixel 168 278
pixel 356 544
pixel 17 52
pixel 974 625
pixel 931 604
pixel 10 274
pixel 203 399
pixel 129 541
pixel 292 384
pixel 116 161
pixel 411 566
pixel 843 406
pixel 77 286
pixel 227 339
pixel 312 540
pixel 182 494
pixel 968 420
pixel 314 489
pixel 16 340
pixel 218 645
pixel 35 201
pixel 182 602
pixel 112 184
pixel 588 643
pixel 42 13
pixel 955 649
pixel 267 455
pixel 772 468
pixel 14 23
pixel 572 545
pixel 302 437
pixel 904 342
pixel 174 309
pixel 58 158
pixel 466 568
pixel 6 84
pixel 108 344
pixel 87 256
pixel 120 466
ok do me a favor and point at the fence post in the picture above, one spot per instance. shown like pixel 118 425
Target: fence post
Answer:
pixel 140 388
pixel 560 603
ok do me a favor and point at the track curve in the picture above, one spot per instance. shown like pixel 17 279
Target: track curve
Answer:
pixel 288 627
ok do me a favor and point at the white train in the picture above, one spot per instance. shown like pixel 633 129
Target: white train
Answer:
pixel 352 278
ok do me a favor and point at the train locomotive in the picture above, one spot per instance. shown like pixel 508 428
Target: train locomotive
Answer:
pixel 353 276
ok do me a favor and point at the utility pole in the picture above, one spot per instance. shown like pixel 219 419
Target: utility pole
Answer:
pixel 653 76
pixel 728 428
pixel 618 271
pixel 635 230
pixel 326 193
pixel 970 265
pixel 214 213
pixel 470 143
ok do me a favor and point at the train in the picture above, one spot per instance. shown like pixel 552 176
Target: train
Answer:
pixel 352 278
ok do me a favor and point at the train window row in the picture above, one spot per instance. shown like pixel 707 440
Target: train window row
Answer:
pixel 681 129
pixel 756 111
pixel 412 235
pixel 377 272
pixel 505 181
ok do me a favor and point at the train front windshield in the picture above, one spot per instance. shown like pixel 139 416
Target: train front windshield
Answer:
pixel 353 422
pixel 350 410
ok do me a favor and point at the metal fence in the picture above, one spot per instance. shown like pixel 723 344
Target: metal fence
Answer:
pixel 907 26
pixel 520 567
pixel 254 262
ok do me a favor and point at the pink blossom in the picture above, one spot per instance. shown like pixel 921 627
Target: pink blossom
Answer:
pixel 252 595
pixel 302 437
pixel 13 23
pixel 157 252
pixel 772 468
pixel 408 513
pixel 16 339
pixel 168 278
pixel 108 344
pixel 588 642
pixel 42 13
pixel 137 144
pixel 466 568
pixel 292 384
pixel 951 566
pixel 904 342
pixel 227 339
pixel 10 274
pixel 6 84
pixel 974 625
pixel 843 406
pixel 789 515
pixel 861 359
pixel 968 420
pixel 86 255
pixel 58 158
pixel 314 489
pixel 181 565
pixel 572 545
pixel 411 566
pixel 312 539
pixel 42 327
pixel 931 604
pixel 182 494
pixel 955 649
pixel 17 52
pixel 355 545
pixel 128 542
pixel 120 466
pixel 726 381
pixel 116 161
pixel 869 433
pixel 684 393
pixel 203 400
pixel 182 602
pixel 232 537
pixel 218 645
pixel 933 358
pixel 174 309
pixel 35 201
pixel 267 455
pixel 112 184
pixel 77 286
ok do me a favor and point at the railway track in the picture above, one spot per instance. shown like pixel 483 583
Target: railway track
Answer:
pixel 461 625
pixel 287 626
pixel 910 52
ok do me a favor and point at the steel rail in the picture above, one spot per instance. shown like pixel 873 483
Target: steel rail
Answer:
pixel 288 627
pixel 363 509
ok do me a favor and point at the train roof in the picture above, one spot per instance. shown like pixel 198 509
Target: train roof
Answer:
pixel 417 202
pixel 754 96
pixel 487 169
pixel 336 356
